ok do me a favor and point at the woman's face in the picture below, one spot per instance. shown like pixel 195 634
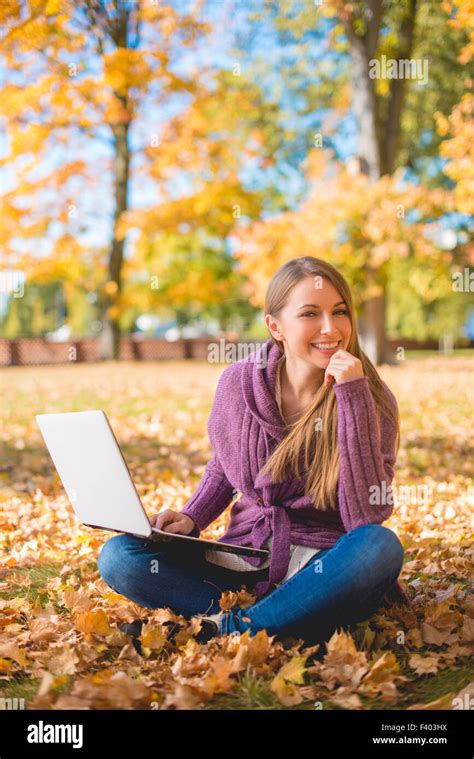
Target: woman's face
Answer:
pixel 314 314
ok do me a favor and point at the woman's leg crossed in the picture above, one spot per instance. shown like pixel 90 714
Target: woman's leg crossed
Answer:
pixel 155 578
pixel 338 587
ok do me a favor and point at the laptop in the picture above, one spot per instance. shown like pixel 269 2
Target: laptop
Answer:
pixel 97 481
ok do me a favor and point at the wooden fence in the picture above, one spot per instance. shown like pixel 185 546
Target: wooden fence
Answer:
pixel 25 351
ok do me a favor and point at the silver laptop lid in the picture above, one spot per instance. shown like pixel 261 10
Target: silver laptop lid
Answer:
pixel 93 471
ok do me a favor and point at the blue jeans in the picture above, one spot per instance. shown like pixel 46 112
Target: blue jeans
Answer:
pixel 338 587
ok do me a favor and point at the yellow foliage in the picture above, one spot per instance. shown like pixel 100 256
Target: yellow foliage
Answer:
pixel 110 287
pixel 371 213
pixel 124 69
pixel 463 18
pixel 459 150
pixel 53 7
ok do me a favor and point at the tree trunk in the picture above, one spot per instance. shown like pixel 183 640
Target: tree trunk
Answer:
pixel 120 32
pixel 363 104
pixel 363 86
pixel 121 179
pixel 377 146
pixel 390 133
pixel 372 324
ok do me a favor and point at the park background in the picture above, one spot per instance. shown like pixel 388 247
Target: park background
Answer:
pixel 158 163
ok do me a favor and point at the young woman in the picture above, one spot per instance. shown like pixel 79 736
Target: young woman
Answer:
pixel 308 433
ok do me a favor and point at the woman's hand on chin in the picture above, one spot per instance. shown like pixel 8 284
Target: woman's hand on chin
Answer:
pixel 343 367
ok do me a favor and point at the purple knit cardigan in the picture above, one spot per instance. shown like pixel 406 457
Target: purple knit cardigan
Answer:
pixel 245 426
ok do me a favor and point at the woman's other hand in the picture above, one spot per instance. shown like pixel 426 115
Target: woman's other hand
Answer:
pixel 172 521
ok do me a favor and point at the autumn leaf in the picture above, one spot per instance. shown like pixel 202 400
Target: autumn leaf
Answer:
pixel 93 622
pixel 152 637
pixel 424 664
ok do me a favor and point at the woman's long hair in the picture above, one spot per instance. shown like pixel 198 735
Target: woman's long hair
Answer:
pixel 312 440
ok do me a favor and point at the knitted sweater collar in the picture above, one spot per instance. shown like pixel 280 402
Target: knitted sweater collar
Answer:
pixel 258 385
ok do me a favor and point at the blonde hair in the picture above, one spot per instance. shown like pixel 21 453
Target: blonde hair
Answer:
pixel 318 453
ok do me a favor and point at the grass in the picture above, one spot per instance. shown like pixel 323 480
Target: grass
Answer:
pixel 35 590
pixel 22 686
pixel 427 688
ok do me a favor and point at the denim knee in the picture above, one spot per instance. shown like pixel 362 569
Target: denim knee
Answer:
pixel 113 556
pixel 389 544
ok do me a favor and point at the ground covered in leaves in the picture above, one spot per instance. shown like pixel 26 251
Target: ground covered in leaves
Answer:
pixel 60 646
